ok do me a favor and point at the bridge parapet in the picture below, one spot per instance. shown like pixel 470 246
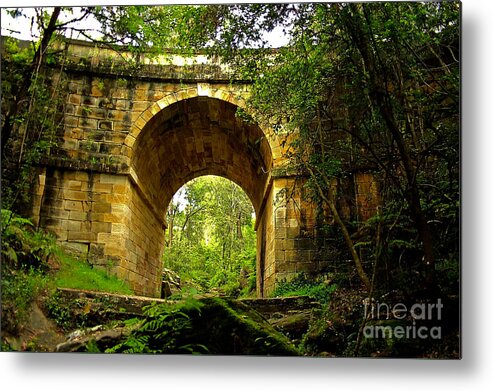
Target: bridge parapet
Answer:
pixel 101 59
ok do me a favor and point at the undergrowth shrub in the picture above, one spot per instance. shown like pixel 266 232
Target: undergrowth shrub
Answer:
pixel 162 330
pixel 26 255
pixel 19 290
pixel 319 289
pixel 23 246
pixel 33 264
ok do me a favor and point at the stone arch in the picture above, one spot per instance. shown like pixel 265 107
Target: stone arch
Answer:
pixel 221 108
pixel 201 90
pixel 191 135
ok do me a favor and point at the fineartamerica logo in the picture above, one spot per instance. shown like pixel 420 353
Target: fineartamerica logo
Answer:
pixel 375 310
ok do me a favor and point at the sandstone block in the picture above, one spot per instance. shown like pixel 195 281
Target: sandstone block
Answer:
pixel 81 176
pixel 75 246
pixel 121 189
pixel 75 195
pixel 118 229
pixel 75 99
pixel 140 122
pixel 105 125
pixel 101 227
pixel 100 187
pixel 96 91
pixel 103 237
pixel 84 237
pixel 87 123
pixel 280 255
pixel 113 179
pixel 101 207
pixel 293 256
pixel 74 225
pixel 115 198
pixel 114 251
pixel 113 218
pixel 77 215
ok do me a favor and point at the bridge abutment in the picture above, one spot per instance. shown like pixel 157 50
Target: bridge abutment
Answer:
pixel 104 219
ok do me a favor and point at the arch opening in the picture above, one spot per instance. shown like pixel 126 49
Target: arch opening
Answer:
pixel 210 241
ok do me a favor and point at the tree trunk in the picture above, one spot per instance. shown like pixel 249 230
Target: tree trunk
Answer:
pixel 23 93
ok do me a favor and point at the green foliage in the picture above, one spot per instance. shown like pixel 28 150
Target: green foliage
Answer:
pixel 24 247
pixel 29 124
pixel 25 256
pixel 319 289
pixel 92 347
pixel 19 56
pixel 208 248
pixel 162 331
pixel 152 29
pixel 58 311
pixel 205 326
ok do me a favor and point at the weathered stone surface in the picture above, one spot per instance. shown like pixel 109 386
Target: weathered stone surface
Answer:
pixel 272 306
pixel 80 340
pixel 294 325
pixel 222 325
pixel 40 334
pixel 229 327
pixel 101 306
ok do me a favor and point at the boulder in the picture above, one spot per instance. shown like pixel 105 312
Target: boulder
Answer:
pixel 294 325
pixel 95 339
pixel 170 283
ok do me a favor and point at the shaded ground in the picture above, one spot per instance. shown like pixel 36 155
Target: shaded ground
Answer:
pixel 76 320
pixel 85 321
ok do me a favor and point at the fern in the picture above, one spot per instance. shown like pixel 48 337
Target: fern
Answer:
pixel 162 330
pixel 9 218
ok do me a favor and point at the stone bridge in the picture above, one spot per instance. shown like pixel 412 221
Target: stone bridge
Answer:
pixel 134 132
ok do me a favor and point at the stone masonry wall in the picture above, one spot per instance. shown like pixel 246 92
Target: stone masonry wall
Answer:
pixel 294 221
pixel 265 250
pixel 142 256
pixel 287 228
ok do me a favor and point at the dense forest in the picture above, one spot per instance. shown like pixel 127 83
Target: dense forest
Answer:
pixel 370 87
pixel 207 247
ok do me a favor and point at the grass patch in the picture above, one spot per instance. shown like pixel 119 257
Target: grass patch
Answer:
pixel 77 274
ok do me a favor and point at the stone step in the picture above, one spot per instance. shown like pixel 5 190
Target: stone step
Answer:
pixel 268 307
